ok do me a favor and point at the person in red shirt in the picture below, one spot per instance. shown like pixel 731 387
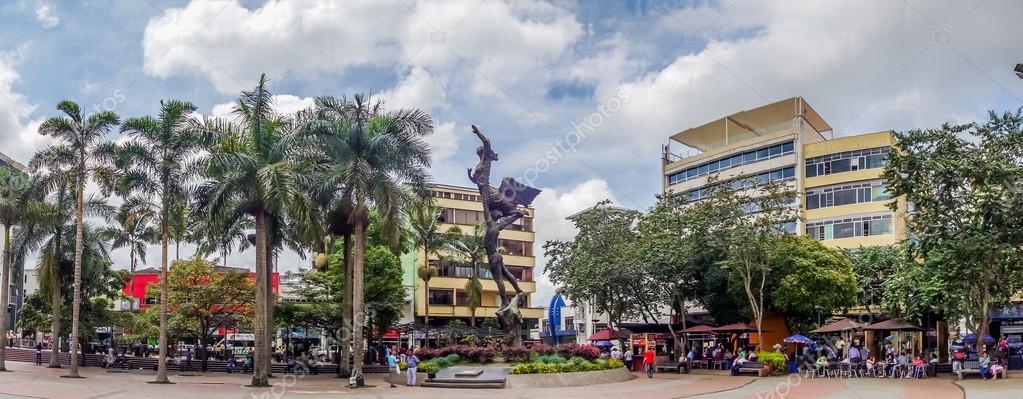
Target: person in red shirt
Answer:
pixel 648 361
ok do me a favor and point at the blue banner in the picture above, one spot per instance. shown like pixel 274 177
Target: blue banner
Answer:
pixel 554 314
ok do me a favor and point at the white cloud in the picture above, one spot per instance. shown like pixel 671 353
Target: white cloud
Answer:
pixel 552 207
pixel 46 17
pixel 18 130
pixel 443 142
pixel 283 103
pixel 231 45
pixel 417 90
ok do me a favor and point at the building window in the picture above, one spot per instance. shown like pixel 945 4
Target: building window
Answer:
pixel 516 248
pixel 850 227
pixel 461 298
pixel 732 161
pixel 869 158
pixel 441 297
pixel 826 197
pixel 544 326
pixel 569 324
pixel 742 183
pixel 464 270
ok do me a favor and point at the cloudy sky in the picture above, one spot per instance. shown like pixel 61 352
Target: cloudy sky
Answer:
pixel 613 79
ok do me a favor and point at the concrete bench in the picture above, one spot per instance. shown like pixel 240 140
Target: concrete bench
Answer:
pixel 752 367
pixel 973 367
pixel 672 366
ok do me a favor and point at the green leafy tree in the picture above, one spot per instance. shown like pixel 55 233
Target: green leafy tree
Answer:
pixel 874 266
pixel 83 152
pixel 207 300
pixel 749 231
pixel 384 293
pixel 967 214
pixel 368 158
pixel 598 266
pixel 809 275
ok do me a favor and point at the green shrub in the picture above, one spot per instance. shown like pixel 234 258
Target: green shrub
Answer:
pixel 428 367
pixel 774 359
pixel 550 359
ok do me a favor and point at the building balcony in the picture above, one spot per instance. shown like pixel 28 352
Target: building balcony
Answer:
pixel 482 311
pixel 488 285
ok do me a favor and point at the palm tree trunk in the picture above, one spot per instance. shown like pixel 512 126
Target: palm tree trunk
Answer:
pixel 5 293
pixel 76 303
pixel 259 372
pixel 161 362
pixel 269 311
pixel 346 309
pixel 358 307
pixel 426 314
pixel 55 303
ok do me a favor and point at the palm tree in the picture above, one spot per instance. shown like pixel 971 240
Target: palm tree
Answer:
pixel 372 154
pixel 470 248
pixel 160 162
pixel 20 204
pixel 88 156
pixel 44 236
pixel 223 238
pixel 424 222
pixel 133 230
pixel 249 169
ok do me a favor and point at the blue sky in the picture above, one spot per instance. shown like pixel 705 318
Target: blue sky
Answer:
pixel 527 72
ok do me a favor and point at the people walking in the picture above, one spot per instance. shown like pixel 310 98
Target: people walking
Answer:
pixel 648 361
pixel 39 353
pixel 188 359
pixel 392 369
pixel 413 362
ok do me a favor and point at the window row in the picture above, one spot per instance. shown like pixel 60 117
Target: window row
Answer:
pixel 846 195
pixel 456 196
pixel 464 270
pixel 731 162
pixel 847 161
pixel 852 227
pixel 469 218
pixel 759 179
pixel 446 297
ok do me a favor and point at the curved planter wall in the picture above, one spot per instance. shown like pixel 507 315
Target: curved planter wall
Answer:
pixel 582 378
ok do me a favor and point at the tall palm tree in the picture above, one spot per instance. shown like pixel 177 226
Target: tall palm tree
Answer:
pixel 133 229
pixel 372 154
pixel 249 169
pixel 424 222
pixel 470 248
pixel 20 204
pixel 161 161
pixel 44 236
pixel 84 150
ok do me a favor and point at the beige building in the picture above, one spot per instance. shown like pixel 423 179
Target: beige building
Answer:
pixel 447 297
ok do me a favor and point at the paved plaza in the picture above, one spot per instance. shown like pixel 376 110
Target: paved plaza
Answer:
pixel 30 381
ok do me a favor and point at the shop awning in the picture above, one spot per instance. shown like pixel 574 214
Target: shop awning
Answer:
pixel 734 327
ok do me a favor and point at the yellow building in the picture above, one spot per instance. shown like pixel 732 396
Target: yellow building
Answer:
pixel 447 297
pixel 843 198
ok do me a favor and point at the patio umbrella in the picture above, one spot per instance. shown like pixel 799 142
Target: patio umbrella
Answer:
pixel 735 327
pixel 971 339
pixel 799 339
pixel 698 329
pixel 843 325
pixel 603 344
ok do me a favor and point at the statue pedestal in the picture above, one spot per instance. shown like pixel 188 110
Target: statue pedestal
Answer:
pixel 511 321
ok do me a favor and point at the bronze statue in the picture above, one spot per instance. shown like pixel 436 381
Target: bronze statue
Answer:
pixel 501 208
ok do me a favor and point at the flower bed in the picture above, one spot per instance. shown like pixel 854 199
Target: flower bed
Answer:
pixel 556 364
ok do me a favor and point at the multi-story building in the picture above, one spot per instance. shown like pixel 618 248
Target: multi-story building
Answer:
pixel 447 296
pixel 842 199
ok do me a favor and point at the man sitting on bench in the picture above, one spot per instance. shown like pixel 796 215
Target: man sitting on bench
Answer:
pixel 685 362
